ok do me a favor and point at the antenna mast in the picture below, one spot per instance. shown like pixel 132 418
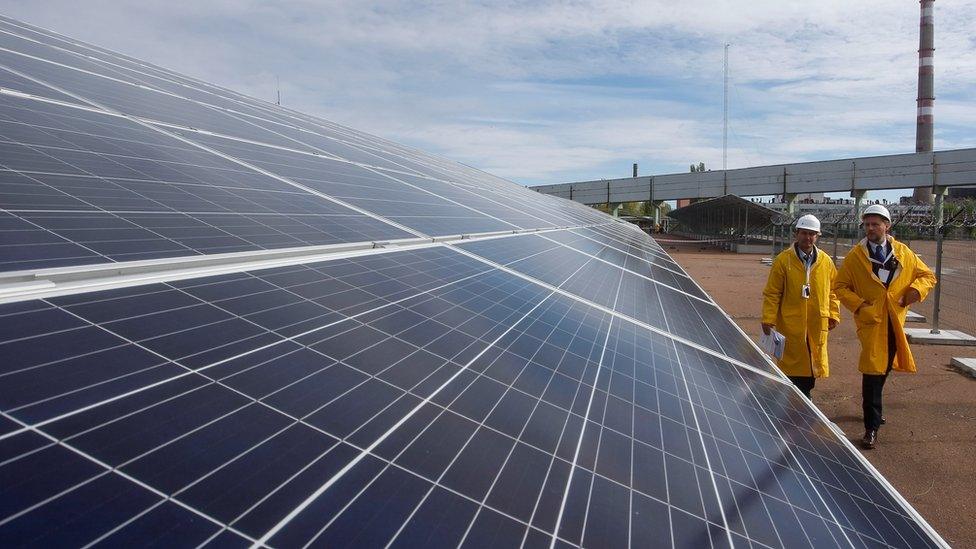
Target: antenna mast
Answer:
pixel 278 88
pixel 725 113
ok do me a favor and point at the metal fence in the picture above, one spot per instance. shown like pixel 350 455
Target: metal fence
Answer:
pixel 952 305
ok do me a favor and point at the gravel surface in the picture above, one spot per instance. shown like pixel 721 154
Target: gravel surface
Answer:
pixel 927 448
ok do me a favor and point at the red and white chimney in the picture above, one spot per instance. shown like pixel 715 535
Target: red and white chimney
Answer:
pixel 926 78
pixel 924 116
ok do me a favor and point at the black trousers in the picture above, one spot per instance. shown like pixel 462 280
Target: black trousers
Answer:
pixel 804 383
pixel 872 387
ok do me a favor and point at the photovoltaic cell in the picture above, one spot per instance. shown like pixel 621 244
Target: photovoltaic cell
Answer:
pixel 81 187
pixel 362 187
pixel 658 305
pixel 629 245
pixel 420 397
pixel 627 261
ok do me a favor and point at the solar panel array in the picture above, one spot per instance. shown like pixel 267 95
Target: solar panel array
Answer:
pixel 495 368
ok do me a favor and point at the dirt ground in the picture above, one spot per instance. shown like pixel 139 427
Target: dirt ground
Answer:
pixel 927 448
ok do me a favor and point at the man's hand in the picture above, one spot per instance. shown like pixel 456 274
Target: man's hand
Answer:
pixel 831 323
pixel 767 328
pixel 910 296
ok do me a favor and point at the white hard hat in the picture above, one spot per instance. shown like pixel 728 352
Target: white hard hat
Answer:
pixel 808 222
pixel 877 209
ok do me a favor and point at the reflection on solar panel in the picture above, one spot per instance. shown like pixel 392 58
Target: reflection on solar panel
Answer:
pixel 223 322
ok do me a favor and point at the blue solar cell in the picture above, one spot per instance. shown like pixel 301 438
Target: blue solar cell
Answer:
pixel 86 514
pixel 165 525
pixel 408 398
pixel 76 199
pixel 14 82
pixel 369 189
pixel 32 479
pixel 441 519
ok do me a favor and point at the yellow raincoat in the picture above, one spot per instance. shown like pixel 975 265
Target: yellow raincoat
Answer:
pixel 856 283
pixel 802 320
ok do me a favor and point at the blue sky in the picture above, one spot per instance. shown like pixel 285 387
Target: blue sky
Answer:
pixel 549 92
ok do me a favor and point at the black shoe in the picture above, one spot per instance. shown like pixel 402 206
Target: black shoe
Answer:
pixel 870 439
pixel 883 420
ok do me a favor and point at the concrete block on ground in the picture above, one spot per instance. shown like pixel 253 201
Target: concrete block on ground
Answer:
pixel 965 365
pixel 915 317
pixel 924 336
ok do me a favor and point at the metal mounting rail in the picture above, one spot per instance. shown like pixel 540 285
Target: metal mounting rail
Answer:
pixel 57 281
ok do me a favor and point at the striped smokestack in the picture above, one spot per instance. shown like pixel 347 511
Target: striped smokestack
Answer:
pixel 926 88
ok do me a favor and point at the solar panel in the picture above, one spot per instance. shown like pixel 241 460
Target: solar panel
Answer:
pixel 312 336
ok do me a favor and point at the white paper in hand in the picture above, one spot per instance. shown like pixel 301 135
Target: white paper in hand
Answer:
pixel 774 344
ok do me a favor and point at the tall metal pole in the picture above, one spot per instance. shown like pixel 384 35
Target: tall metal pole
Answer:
pixel 836 236
pixel 745 229
pixel 925 104
pixel 939 236
pixel 725 114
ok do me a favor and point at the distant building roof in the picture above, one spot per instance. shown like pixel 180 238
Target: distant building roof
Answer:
pixel 730 211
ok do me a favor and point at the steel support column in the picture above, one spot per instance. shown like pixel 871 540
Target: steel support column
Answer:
pixel 939 215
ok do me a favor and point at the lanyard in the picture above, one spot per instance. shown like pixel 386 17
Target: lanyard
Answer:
pixel 809 263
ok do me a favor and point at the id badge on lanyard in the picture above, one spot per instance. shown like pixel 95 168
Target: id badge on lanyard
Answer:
pixel 805 289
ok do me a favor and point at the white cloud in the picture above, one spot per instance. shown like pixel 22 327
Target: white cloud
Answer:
pixel 549 91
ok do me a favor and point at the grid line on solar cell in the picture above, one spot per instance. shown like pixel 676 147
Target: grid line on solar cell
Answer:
pixel 269 535
pixel 701 439
pixel 629 249
pixel 272 533
pixel 818 495
pixel 181 437
pixel 517 438
pixel 503 221
pixel 635 273
pixel 112 135
pixel 109 470
pixel 437 482
pixel 305 220
pixel 270 121
pixel 139 99
pixel 300 186
pixel 602 249
pixel 455 191
pixel 714 382
pixel 441 486
pixel 579 442
pixel 227 157
pixel 622 352
pixel 855 464
pixel 489 507
pixel 694 427
pixel 284 338
pixel 321 174
pixel 630 317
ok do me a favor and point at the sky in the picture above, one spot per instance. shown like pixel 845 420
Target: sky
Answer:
pixel 552 92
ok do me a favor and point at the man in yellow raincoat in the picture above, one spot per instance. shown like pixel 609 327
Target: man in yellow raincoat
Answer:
pixel 799 302
pixel 878 280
